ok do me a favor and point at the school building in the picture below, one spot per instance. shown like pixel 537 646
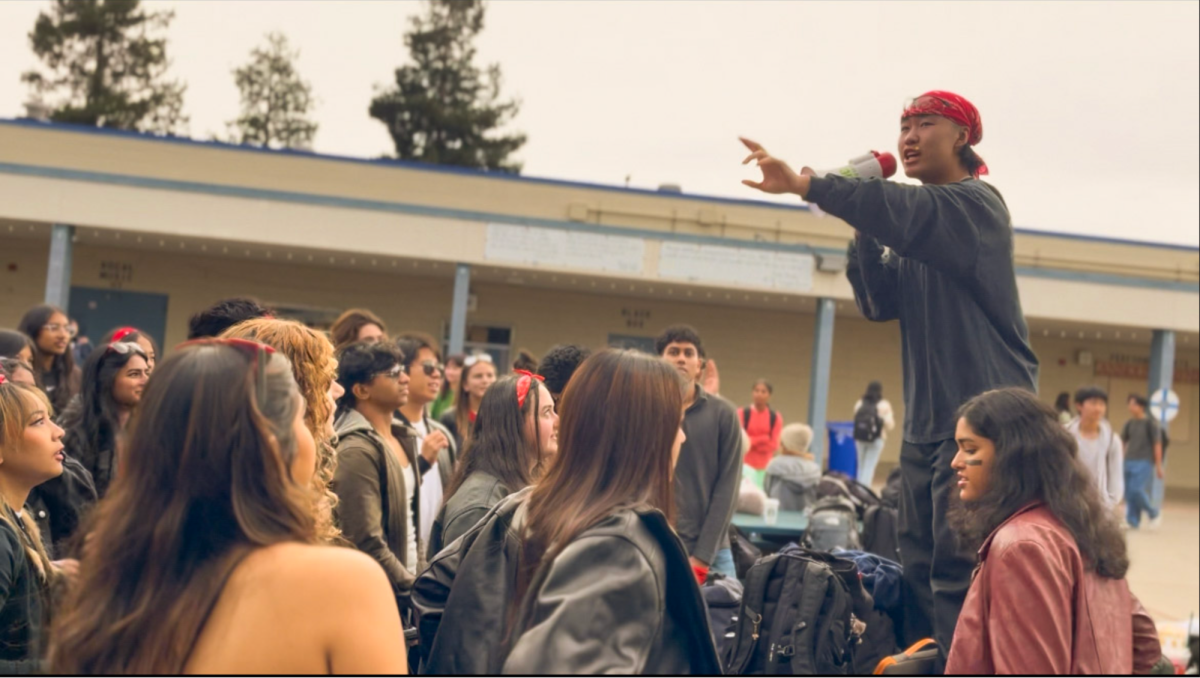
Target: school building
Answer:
pixel 124 228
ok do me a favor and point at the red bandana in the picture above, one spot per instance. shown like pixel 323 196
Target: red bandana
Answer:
pixel 954 108
pixel 122 333
pixel 524 383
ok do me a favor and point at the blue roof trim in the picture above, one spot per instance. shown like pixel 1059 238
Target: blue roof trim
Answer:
pixel 1108 279
pixel 396 207
pixel 469 215
pixel 393 163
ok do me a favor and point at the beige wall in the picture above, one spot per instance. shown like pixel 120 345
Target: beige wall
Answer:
pixel 746 343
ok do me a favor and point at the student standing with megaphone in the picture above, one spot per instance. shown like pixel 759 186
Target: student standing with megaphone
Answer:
pixel 951 282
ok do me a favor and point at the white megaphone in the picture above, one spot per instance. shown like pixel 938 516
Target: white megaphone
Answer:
pixel 873 165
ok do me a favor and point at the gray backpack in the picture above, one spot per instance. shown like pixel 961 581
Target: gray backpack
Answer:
pixel 833 525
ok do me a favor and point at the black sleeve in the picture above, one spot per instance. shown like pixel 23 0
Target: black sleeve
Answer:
pixel 938 225
pixel 875 282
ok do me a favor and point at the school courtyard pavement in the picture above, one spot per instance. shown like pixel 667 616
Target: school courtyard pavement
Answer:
pixel 1165 569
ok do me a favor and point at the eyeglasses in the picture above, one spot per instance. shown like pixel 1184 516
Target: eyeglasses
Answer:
pixel 478 357
pixel 54 328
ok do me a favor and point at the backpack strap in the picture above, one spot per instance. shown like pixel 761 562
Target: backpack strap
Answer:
pixel 774 418
pixel 784 642
pixel 746 419
pixel 750 621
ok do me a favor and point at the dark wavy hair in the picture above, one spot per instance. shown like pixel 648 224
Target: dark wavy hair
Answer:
pixel 12 342
pixel 62 367
pixel 91 422
pixel 360 363
pixel 1037 460
pixel 499 444
pixel 215 319
pixel 559 364
pixel 683 334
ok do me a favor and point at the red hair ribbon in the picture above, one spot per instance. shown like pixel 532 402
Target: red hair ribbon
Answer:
pixel 524 383
pixel 122 333
pixel 952 107
pixel 2 378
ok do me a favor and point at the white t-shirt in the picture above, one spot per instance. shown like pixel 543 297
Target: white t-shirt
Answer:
pixel 1104 458
pixel 410 551
pixel 431 488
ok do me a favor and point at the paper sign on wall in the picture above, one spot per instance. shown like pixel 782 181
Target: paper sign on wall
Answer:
pixel 536 246
pixel 739 266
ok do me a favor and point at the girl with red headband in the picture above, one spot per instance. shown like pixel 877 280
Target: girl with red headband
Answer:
pixel 513 438
pixel 132 335
pixel 939 258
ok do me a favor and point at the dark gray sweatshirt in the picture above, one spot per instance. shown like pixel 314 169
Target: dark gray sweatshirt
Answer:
pixel 950 282
pixel 707 475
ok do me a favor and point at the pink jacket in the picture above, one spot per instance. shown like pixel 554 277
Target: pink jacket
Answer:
pixel 1033 609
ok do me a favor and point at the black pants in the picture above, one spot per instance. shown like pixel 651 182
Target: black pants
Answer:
pixel 937 573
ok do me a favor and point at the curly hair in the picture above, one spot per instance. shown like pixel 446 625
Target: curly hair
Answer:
pixel 560 363
pixel 315 369
pixel 1037 460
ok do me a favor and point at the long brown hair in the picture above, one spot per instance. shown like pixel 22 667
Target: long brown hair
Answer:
pixel 462 402
pixel 207 481
pixel 17 403
pixel 61 366
pixel 501 442
pixel 314 368
pixel 617 425
pixel 345 329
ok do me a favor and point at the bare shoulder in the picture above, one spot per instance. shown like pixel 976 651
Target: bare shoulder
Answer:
pixel 330 572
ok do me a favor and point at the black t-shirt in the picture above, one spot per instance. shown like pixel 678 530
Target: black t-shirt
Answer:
pixel 1140 435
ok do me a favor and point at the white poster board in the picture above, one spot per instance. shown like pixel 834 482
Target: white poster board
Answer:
pixel 738 266
pixel 557 248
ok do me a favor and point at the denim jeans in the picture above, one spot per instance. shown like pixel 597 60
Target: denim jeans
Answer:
pixel 868 459
pixel 723 563
pixel 1139 479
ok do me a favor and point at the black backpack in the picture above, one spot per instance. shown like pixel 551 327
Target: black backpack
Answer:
pixel 796 618
pixel 868 426
pixel 893 489
pixel 722 598
pixel 746 418
pixel 833 525
pixel 838 484
pixel 745 553
pixel 881 533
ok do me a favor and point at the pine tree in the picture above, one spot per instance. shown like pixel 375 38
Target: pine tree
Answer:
pixel 104 68
pixel 444 109
pixel 276 102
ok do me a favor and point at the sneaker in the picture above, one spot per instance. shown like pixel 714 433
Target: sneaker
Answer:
pixel 1155 524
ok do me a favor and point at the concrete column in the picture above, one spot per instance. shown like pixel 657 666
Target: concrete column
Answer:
pixel 58 275
pixel 458 309
pixel 818 388
pixel 1162 376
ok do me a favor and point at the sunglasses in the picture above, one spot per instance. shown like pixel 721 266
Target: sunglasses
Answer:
pixel 124 348
pixel 477 358
pixel 432 367
pixel 393 373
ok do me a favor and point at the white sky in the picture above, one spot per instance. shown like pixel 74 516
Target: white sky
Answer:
pixel 1090 109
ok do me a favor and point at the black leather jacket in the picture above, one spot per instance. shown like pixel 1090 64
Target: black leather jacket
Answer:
pixel 621 598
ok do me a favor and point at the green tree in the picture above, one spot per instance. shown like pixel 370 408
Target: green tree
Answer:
pixel 444 109
pixel 103 66
pixel 276 102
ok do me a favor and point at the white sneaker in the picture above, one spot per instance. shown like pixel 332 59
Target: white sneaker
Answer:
pixel 1155 525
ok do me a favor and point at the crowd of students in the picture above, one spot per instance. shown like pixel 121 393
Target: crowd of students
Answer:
pixel 308 508
pixel 266 498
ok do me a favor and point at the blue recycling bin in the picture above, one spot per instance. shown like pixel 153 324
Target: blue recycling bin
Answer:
pixel 843 454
